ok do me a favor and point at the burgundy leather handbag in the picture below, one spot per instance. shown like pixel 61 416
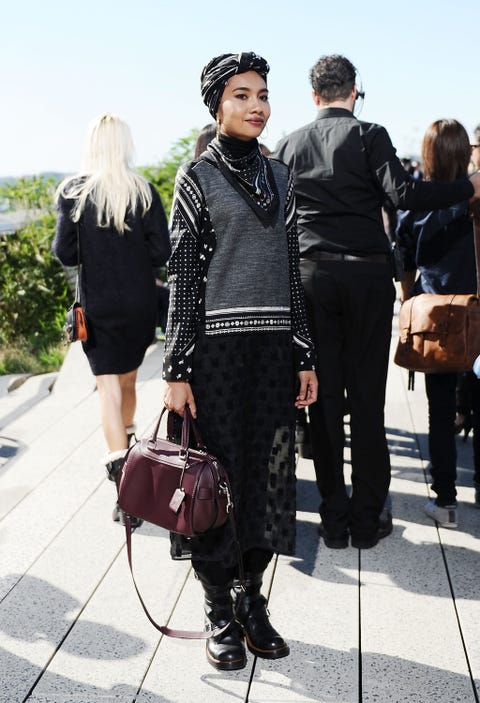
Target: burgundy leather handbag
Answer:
pixel 181 489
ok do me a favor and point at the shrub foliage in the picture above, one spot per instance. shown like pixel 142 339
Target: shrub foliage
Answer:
pixel 33 289
pixel 34 292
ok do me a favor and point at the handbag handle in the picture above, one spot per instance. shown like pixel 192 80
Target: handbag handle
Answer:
pixel 188 423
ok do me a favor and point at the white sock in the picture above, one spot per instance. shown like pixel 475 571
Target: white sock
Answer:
pixel 112 456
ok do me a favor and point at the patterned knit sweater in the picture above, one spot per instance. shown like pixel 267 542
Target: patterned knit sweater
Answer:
pixel 230 273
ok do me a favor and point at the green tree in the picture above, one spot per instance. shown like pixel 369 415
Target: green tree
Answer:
pixel 162 175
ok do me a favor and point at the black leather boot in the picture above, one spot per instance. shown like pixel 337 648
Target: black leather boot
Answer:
pixel 251 612
pixel 225 651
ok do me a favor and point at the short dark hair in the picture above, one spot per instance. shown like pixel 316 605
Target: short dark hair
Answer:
pixel 204 138
pixel 445 151
pixel 333 77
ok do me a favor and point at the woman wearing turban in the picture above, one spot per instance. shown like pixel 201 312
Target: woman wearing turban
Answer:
pixel 235 335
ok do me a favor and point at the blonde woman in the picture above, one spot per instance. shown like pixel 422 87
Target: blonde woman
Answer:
pixel 119 221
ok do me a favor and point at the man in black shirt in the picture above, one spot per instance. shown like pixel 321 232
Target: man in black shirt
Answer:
pixel 344 171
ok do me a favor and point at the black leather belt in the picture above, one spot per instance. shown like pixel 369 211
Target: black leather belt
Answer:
pixel 339 256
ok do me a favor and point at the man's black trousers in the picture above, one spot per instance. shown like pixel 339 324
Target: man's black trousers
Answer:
pixel 350 306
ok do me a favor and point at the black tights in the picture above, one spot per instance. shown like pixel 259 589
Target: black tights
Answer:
pixel 255 561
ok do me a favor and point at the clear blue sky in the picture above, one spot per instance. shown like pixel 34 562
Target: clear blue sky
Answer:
pixel 62 63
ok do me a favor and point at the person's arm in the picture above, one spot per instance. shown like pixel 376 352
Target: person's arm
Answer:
pixel 302 341
pixel 401 189
pixel 156 231
pixel 407 245
pixel 184 278
pixel 406 284
pixel 65 245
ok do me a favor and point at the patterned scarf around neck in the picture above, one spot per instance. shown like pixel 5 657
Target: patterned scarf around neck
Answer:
pixel 250 173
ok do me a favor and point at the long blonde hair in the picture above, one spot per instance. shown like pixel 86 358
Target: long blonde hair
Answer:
pixel 107 176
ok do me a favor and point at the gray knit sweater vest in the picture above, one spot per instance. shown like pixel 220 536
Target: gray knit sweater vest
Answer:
pixel 248 283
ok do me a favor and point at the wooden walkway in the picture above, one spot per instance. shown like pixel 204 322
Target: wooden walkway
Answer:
pixel 396 623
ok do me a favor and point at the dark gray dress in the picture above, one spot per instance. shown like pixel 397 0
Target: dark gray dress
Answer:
pixel 117 282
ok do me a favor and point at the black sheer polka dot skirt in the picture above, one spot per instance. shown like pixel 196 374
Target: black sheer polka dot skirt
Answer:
pixel 244 388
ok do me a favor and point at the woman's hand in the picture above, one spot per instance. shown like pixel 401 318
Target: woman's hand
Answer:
pixel 308 389
pixel 177 395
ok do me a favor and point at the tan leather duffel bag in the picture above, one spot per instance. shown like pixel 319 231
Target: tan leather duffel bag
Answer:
pixel 438 333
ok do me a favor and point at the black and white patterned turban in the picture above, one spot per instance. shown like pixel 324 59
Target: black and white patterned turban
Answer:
pixel 217 72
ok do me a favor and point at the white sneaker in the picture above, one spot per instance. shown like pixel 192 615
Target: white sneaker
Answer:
pixel 445 516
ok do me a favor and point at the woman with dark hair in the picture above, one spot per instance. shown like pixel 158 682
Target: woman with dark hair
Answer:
pixel 440 246
pixel 236 333
pixel 204 138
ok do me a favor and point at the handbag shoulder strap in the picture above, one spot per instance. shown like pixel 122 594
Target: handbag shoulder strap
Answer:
pixel 164 629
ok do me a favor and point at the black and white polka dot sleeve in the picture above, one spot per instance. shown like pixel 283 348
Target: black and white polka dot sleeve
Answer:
pixel 185 273
pixel 302 341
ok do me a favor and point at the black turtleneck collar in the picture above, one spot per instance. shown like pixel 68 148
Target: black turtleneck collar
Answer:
pixel 237 148
pixel 249 172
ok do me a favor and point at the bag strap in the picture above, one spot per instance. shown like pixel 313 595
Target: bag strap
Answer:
pixel 79 267
pixel 188 422
pixel 164 629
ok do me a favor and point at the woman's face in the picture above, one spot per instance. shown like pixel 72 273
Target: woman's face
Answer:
pixel 244 108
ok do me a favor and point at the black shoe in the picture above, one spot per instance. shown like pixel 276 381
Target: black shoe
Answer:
pixel 385 524
pixel 114 469
pixel 180 547
pixel 226 652
pixel 119 516
pixel 332 541
pixel 364 541
pixel 251 612
pixel 385 527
